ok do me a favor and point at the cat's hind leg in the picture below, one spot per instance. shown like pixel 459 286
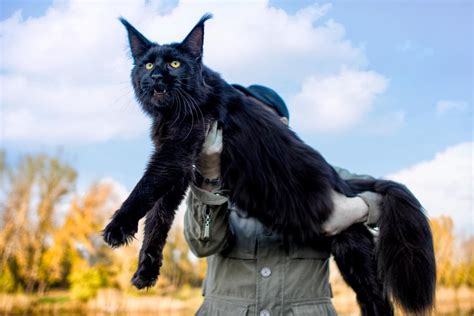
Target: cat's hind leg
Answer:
pixel 157 225
pixel 354 253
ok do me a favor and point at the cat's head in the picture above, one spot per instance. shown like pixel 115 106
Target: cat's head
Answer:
pixel 167 75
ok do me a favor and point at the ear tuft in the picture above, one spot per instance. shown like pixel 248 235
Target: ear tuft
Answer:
pixel 204 18
pixel 139 44
pixel 194 40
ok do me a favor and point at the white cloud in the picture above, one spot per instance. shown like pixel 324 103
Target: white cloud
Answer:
pixel 65 75
pixel 443 106
pixel 336 102
pixel 118 190
pixel 56 112
pixel 444 184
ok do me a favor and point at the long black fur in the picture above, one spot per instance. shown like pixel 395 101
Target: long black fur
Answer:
pixel 267 171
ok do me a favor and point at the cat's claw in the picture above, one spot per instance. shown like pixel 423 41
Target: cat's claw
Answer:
pixel 141 282
pixel 147 272
pixel 117 235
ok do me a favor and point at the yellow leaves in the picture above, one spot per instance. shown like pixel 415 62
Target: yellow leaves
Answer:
pixel 42 252
pixel 86 281
pixel 179 267
pixel 48 251
pixel 7 280
pixel 454 259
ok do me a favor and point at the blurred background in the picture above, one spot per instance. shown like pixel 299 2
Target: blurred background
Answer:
pixel 380 88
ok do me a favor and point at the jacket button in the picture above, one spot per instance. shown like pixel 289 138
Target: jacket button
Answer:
pixel 265 272
pixel 264 313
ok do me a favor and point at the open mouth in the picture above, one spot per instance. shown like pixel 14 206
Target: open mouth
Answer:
pixel 159 93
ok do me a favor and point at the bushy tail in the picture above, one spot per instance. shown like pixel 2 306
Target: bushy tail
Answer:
pixel 405 255
pixel 353 251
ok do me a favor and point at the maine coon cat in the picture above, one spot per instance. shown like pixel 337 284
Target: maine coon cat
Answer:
pixel 267 171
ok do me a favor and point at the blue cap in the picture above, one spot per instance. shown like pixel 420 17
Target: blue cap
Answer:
pixel 267 96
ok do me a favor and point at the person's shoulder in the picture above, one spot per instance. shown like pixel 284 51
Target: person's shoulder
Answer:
pixel 348 175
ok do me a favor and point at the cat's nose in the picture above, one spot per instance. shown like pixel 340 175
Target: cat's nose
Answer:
pixel 157 76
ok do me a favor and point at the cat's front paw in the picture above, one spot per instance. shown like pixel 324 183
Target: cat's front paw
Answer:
pixel 119 232
pixel 147 272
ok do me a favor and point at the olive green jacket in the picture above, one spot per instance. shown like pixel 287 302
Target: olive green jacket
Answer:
pixel 251 270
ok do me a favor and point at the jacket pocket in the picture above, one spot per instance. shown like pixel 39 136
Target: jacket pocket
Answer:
pixel 312 309
pixel 221 308
pixel 297 251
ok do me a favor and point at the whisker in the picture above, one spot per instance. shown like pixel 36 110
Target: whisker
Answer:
pixel 197 108
pixel 176 117
pixel 187 104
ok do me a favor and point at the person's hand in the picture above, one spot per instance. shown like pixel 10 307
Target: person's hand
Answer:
pixel 347 211
pixel 209 161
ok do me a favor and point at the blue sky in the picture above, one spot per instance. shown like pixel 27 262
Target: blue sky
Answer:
pixel 412 62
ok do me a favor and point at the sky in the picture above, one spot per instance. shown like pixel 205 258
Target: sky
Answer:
pixel 381 88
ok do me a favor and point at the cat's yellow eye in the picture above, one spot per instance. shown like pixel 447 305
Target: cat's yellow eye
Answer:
pixel 175 64
pixel 149 66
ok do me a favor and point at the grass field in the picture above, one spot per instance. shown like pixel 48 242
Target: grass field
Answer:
pixel 113 302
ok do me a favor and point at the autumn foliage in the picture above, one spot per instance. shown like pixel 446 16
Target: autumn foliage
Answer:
pixel 50 238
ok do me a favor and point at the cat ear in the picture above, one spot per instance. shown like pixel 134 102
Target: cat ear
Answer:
pixel 139 44
pixel 194 41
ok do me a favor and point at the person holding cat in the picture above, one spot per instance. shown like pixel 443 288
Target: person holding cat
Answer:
pixel 251 270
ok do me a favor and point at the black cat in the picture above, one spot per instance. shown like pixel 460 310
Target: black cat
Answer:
pixel 267 171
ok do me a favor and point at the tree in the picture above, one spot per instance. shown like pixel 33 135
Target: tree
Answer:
pixel 443 238
pixel 78 258
pixel 179 267
pixel 468 249
pixel 34 189
pixel 455 259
